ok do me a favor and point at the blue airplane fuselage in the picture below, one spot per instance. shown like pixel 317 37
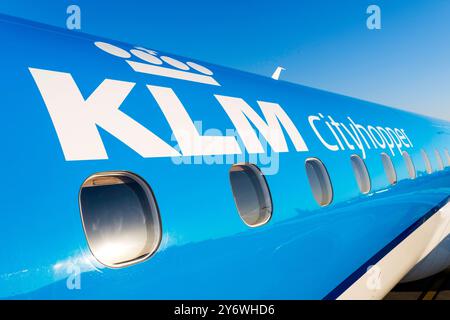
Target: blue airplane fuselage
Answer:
pixel 206 251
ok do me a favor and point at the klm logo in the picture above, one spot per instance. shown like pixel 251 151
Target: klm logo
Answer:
pixel 147 61
pixel 76 118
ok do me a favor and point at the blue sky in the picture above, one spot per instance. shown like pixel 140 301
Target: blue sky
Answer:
pixel 323 44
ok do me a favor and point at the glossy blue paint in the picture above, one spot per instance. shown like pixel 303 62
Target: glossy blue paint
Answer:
pixel 305 251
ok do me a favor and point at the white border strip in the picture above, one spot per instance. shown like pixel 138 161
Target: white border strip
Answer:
pixel 382 277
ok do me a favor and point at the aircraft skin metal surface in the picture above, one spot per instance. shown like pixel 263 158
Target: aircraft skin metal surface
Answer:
pixel 61 123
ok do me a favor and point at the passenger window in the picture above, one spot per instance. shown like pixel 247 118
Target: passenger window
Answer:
pixel 427 162
pixel 319 181
pixel 361 173
pixel 389 168
pixel 120 218
pixel 447 155
pixel 439 159
pixel 251 194
pixel 409 165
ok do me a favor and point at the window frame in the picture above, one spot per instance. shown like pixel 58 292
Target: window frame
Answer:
pixel 261 179
pixel 331 198
pixel 426 160
pixel 409 165
pixel 367 174
pixel 384 155
pixel 447 156
pixel 439 160
pixel 152 204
